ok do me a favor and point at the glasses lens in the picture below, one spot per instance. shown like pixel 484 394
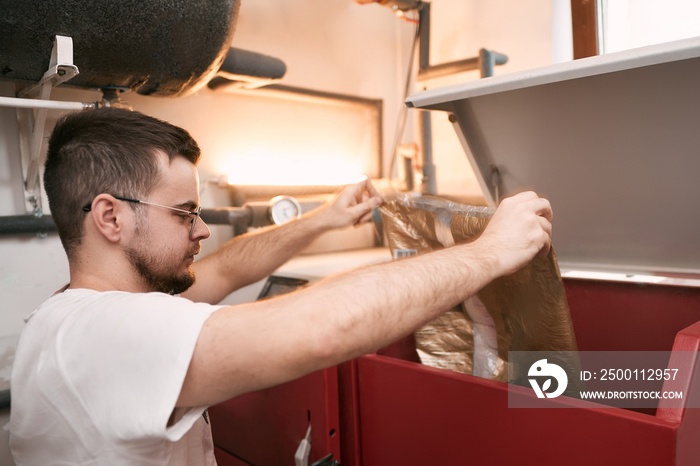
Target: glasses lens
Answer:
pixel 195 217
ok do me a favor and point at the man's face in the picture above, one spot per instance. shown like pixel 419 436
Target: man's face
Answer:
pixel 162 251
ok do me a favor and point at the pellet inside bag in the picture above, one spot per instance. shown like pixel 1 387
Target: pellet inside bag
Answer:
pixel 524 311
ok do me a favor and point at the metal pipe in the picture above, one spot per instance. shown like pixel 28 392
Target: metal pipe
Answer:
pixel 428 172
pixel 485 62
pixel 228 216
pixel 424 37
pixel 32 224
pixel 221 83
pixel 488 60
pixel 18 102
pixel 450 68
pixel 26 224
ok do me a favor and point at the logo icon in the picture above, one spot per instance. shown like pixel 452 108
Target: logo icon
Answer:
pixel 544 372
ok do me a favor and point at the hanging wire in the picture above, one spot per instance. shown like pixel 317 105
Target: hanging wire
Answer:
pixel 403 112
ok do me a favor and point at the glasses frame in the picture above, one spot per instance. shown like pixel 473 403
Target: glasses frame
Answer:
pixel 195 214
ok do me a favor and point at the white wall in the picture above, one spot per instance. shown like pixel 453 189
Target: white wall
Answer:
pixel 331 45
pixel 531 33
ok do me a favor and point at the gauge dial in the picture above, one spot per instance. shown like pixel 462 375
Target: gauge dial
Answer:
pixel 283 209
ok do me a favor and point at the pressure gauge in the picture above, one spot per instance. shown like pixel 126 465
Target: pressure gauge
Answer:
pixel 283 209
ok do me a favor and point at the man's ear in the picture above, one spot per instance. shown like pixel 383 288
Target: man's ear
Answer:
pixel 108 216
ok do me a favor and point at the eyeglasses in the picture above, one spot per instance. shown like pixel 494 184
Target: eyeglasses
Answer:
pixel 191 213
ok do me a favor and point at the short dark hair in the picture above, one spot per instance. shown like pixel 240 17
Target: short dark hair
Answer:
pixel 108 150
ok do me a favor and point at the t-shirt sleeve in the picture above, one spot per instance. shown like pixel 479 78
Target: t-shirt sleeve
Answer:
pixel 127 356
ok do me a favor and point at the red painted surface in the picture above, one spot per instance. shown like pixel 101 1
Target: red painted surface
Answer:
pixel 265 428
pixel 386 409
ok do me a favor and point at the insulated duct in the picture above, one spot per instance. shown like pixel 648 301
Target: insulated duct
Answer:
pixel 153 47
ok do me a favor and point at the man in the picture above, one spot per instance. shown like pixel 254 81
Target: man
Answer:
pixel 117 369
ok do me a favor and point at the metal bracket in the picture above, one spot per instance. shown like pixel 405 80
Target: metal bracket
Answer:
pixel 485 62
pixel 32 123
pixel 496 183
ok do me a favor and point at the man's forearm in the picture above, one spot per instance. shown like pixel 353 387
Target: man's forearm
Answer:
pixel 251 257
pixel 256 345
pixel 250 347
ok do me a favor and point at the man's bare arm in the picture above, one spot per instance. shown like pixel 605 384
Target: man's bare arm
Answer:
pixel 251 257
pixel 257 345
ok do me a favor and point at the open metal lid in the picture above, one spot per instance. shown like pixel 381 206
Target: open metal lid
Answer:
pixel 612 141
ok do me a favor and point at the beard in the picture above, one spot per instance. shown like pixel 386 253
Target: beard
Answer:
pixel 158 278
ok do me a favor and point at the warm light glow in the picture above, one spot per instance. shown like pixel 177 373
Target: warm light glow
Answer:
pixel 265 168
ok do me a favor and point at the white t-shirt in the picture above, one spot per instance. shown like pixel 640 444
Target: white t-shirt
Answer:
pixel 96 377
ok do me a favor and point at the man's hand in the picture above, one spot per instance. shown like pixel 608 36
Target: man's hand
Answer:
pixel 520 229
pixel 353 205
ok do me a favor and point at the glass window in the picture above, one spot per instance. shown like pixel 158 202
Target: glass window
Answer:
pixel 627 24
